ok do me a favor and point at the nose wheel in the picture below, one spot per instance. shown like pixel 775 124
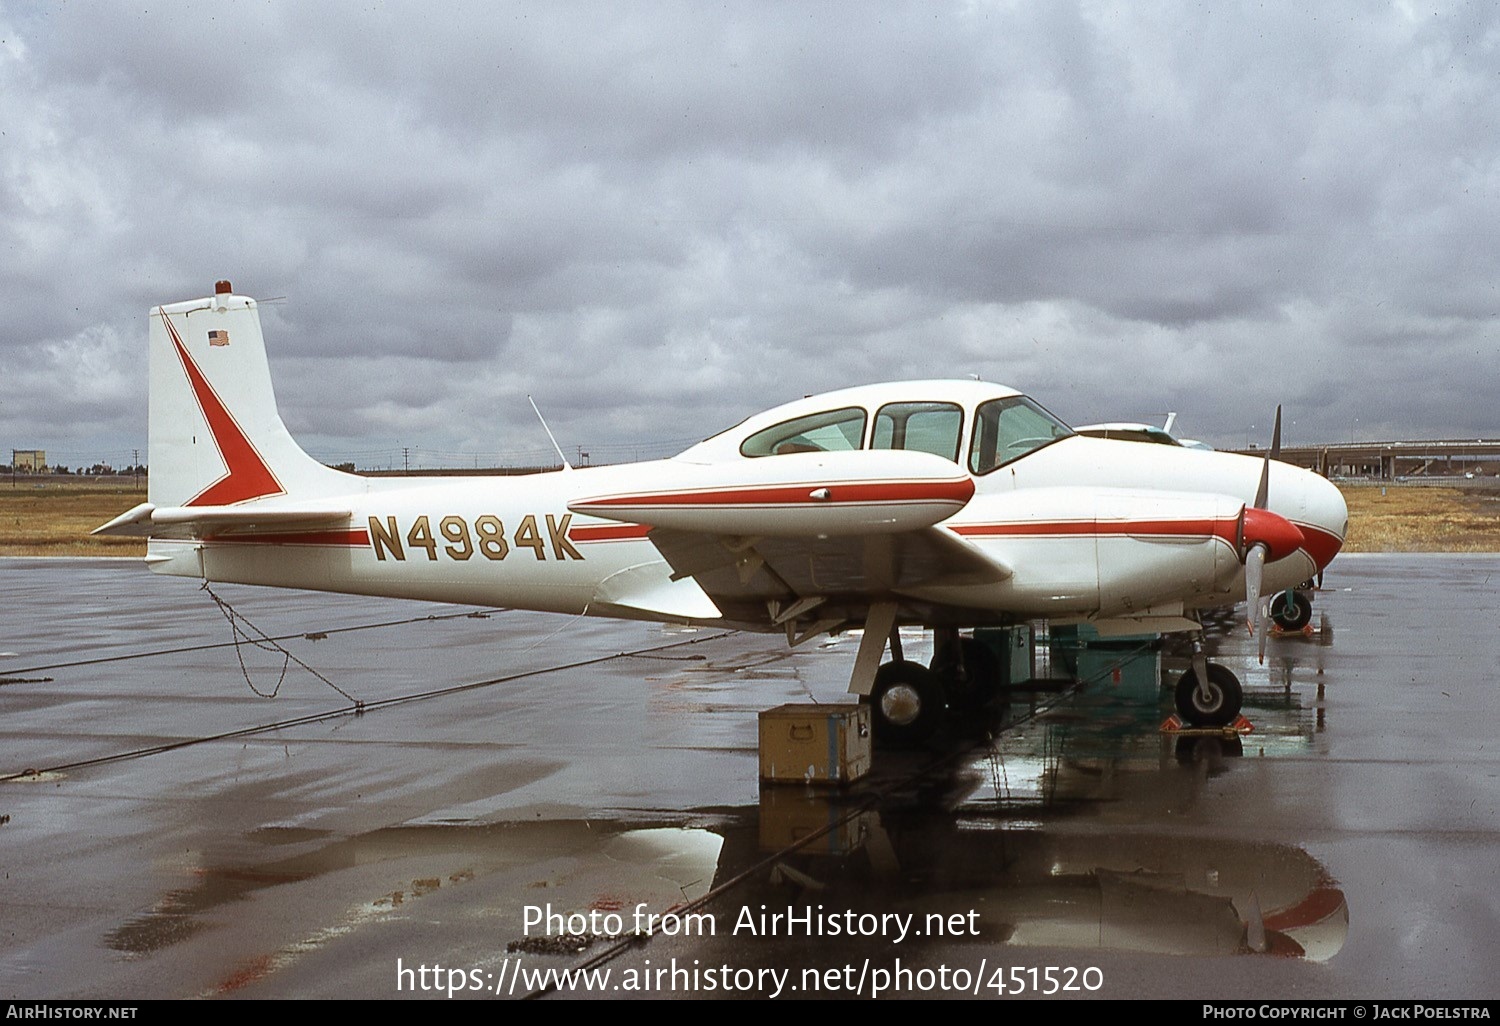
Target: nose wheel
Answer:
pixel 1215 703
pixel 1291 610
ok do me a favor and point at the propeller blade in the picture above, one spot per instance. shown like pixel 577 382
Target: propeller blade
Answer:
pixel 1255 565
pixel 1262 492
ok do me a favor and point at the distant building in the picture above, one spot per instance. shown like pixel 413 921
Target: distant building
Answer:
pixel 29 461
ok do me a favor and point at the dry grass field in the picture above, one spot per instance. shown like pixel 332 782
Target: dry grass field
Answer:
pixel 54 519
pixel 1421 519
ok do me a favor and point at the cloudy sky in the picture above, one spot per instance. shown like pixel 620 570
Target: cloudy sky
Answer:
pixel 658 218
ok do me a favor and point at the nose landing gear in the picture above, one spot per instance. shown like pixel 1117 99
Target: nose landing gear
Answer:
pixel 1215 705
pixel 1291 610
pixel 1208 694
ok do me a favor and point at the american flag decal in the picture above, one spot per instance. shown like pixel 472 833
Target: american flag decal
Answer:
pixel 218 338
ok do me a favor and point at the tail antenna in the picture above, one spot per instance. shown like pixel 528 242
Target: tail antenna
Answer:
pixel 565 463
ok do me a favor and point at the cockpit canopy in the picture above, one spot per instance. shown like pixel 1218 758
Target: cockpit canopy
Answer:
pixel 977 425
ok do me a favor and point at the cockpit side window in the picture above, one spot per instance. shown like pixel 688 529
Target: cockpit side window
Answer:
pixel 922 427
pixel 1007 429
pixel 832 431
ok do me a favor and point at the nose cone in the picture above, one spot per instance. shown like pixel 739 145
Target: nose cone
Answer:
pixel 1325 519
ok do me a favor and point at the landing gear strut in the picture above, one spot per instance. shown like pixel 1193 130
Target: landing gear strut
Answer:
pixel 907 701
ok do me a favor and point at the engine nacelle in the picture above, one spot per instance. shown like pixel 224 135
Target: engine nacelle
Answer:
pixel 1110 551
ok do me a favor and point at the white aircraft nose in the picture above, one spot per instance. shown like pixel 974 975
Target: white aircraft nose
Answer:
pixel 1324 520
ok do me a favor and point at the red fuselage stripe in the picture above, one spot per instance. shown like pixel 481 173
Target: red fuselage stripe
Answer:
pixel 246 476
pixel 1225 529
pixel 608 532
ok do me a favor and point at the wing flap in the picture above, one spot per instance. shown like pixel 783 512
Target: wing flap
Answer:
pixel 734 570
pixel 651 588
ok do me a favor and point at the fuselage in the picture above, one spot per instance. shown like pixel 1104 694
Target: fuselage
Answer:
pixel 1081 527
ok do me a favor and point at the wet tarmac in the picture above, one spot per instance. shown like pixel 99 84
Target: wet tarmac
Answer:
pixel 167 832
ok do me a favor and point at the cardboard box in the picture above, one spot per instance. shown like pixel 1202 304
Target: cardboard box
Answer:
pixel 791 814
pixel 815 744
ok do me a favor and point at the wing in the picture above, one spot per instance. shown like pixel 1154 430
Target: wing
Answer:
pixel 774 581
pixel 770 541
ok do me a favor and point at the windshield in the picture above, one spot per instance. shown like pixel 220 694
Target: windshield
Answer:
pixel 1007 429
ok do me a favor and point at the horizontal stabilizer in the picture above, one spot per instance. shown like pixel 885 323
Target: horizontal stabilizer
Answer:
pixel 149 521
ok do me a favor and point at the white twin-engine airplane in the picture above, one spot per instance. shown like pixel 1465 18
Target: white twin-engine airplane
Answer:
pixel 944 504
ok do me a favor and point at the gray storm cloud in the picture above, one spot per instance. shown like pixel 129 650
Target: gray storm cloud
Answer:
pixel 658 219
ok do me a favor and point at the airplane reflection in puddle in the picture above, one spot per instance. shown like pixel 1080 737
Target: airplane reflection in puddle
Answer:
pixel 328 888
pixel 1038 884
pixel 995 834
pixel 1033 884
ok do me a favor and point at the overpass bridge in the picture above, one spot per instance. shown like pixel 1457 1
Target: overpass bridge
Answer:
pixel 1387 461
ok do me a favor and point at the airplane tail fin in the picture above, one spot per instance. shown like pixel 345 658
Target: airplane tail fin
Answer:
pixel 216 438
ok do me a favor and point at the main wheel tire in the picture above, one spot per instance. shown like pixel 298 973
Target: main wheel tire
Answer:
pixel 907 704
pixel 1291 610
pixel 1219 708
pixel 974 679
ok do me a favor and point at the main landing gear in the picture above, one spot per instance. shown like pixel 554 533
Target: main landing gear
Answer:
pixel 909 702
pixel 907 705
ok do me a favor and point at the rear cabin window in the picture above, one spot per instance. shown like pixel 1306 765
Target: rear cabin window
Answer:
pixel 833 431
pixel 1007 429
pixel 922 427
